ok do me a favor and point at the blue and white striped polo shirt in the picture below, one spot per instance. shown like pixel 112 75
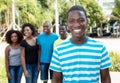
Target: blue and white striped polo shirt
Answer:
pixel 80 63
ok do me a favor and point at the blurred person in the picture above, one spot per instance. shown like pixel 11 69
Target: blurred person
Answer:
pixel 12 56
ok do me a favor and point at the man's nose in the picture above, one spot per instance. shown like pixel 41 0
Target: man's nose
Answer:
pixel 76 24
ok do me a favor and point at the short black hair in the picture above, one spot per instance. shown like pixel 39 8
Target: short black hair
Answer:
pixel 63 25
pixel 8 36
pixel 76 7
pixel 30 26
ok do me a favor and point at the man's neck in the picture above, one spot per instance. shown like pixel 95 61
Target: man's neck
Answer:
pixel 48 33
pixel 79 40
pixel 63 37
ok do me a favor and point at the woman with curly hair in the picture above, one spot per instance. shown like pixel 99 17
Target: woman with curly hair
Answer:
pixel 30 54
pixel 14 68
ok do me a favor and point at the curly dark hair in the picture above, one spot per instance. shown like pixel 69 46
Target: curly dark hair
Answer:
pixel 10 32
pixel 30 26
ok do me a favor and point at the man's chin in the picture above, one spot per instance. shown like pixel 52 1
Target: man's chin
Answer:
pixel 45 31
pixel 79 35
pixel 76 36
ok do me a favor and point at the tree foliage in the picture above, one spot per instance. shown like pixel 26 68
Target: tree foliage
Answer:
pixel 116 9
pixel 38 11
pixel 29 11
pixel 94 11
pixel 32 11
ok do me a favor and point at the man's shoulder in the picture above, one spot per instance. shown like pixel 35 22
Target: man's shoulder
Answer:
pixel 64 43
pixel 58 40
pixel 40 35
pixel 54 34
pixel 95 41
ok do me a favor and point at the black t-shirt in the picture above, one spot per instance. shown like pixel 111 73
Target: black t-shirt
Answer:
pixel 31 52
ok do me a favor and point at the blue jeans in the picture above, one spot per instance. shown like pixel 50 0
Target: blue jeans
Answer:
pixel 16 73
pixel 44 71
pixel 33 73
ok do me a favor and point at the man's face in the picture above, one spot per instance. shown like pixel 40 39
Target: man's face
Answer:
pixel 62 30
pixel 77 23
pixel 46 27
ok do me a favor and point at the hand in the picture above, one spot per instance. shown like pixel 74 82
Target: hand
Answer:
pixel 39 67
pixel 9 75
pixel 26 73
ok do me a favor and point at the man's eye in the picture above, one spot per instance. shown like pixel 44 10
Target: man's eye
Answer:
pixel 81 20
pixel 71 21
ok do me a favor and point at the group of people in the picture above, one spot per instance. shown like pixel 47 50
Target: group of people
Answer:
pixel 31 54
pixel 76 58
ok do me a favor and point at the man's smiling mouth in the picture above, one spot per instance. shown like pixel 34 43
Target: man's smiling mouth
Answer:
pixel 77 30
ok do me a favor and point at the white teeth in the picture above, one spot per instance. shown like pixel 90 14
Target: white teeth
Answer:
pixel 45 30
pixel 77 30
pixel 61 32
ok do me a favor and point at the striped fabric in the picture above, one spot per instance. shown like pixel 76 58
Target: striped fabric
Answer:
pixel 80 63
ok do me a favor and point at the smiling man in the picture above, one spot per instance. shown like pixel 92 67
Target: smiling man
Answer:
pixel 46 41
pixel 62 34
pixel 80 59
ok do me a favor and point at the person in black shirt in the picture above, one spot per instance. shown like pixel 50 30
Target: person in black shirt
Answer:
pixel 30 54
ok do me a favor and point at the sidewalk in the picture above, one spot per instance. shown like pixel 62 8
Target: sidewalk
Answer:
pixel 112 44
pixel 115 77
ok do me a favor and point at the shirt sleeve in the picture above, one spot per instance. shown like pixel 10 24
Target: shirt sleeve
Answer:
pixel 37 40
pixel 105 59
pixel 23 43
pixel 55 43
pixel 55 61
pixel 57 37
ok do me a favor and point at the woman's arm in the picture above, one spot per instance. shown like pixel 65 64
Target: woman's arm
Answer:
pixel 7 61
pixel 39 58
pixel 23 62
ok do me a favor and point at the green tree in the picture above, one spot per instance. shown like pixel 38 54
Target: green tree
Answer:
pixel 29 11
pixel 116 9
pixel 38 11
pixel 5 8
pixel 63 7
pixel 47 10
pixel 94 11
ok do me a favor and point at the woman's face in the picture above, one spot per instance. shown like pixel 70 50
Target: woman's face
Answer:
pixel 14 37
pixel 27 31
